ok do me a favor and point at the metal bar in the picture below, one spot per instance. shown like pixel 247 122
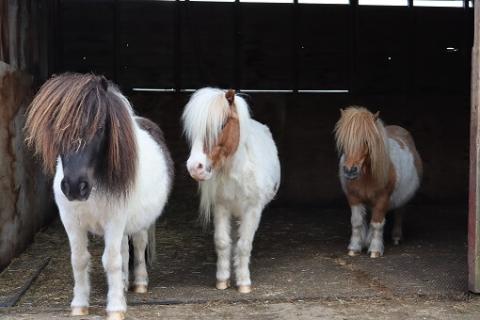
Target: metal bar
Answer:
pixel 115 41
pixel 474 181
pixel 153 89
pixel 177 48
pixel 266 91
pixel 58 35
pixel 325 91
pixel 295 45
pixel 410 48
pixel 247 90
pixel 353 46
pixel 237 44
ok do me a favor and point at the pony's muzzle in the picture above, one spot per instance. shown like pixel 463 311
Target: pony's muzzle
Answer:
pixel 78 190
pixel 351 173
pixel 200 172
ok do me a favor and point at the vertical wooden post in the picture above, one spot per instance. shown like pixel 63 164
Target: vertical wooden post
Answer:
pixel 474 183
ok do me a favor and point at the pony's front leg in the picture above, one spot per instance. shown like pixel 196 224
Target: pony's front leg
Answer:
pixel 140 241
pixel 246 232
pixel 359 230
pixel 223 246
pixel 80 258
pixel 375 235
pixel 112 263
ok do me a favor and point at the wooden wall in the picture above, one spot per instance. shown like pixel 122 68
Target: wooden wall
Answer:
pixel 25 201
pixel 177 44
pixel 392 59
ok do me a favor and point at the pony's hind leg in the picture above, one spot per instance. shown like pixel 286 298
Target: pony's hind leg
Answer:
pixel 246 232
pixel 359 230
pixel 397 231
pixel 140 241
pixel 125 261
pixel 223 246
pixel 80 258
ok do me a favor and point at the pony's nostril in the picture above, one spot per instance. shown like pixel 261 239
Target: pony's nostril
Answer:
pixel 200 166
pixel 83 188
pixel 65 187
pixel 354 170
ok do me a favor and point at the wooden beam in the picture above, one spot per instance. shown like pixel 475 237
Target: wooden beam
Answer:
pixel 474 181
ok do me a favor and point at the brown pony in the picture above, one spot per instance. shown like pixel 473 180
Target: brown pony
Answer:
pixel 380 168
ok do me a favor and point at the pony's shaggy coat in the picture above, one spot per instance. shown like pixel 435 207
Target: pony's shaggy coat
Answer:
pixel 238 159
pixel 132 180
pixel 390 174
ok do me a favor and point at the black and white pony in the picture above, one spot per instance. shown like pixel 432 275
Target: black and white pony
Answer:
pixel 113 174
pixel 235 160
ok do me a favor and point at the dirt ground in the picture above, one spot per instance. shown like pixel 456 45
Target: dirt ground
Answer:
pixel 333 310
pixel 300 270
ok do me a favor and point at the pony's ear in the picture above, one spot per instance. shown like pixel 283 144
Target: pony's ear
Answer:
pixel 230 96
pixel 376 115
pixel 104 83
pixel 342 112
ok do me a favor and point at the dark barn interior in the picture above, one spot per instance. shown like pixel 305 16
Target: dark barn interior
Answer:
pixel 298 64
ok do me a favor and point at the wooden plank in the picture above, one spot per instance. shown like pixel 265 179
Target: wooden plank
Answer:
pixel 18 278
pixel 474 190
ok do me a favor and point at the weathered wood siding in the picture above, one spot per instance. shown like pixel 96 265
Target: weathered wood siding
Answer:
pixel 25 200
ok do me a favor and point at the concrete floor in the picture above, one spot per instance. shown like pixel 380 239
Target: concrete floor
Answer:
pixel 299 270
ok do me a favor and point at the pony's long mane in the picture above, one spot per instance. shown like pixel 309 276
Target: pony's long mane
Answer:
pixel 66 114
pixel 358 128
pixel 204 118
pixel 205 115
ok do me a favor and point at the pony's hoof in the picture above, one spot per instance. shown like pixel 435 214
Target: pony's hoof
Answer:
pixel 396 241
pixel 222 285
pixel 352 253
pixel 375 254
pixel 139 288
pixel 244 289
pixel 116 315
pixel 79 311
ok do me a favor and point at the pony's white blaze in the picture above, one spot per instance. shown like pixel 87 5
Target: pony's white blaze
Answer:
pixel 117 219
pixel 198 164
pixel 241 187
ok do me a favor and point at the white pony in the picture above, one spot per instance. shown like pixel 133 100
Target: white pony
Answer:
pixel 112 178
pixel 235 160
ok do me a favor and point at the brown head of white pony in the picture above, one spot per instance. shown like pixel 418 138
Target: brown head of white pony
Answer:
pixel 380 169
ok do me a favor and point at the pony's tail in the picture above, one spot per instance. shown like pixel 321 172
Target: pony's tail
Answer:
pixel 151 252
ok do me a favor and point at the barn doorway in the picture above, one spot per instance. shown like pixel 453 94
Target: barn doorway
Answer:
pixel 298 62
